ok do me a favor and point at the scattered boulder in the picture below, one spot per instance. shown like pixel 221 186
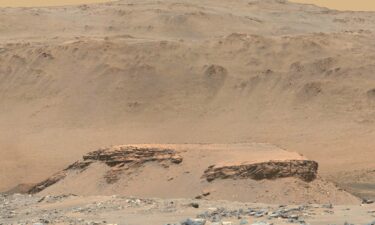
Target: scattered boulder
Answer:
pixel 261 223
pixel 204 194
pixel 244 222
pixel 194 222
pixel 367 201
pixel 226 223
pixel 194 205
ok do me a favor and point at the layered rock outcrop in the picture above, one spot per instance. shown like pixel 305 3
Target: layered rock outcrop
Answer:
pixel 305 170
pixel 204 171
pixel 118 158
pixel 122 155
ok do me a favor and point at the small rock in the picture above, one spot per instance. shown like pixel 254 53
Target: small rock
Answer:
pixel 194 222
pixel 328 206
pixel 261 223
pixel 226 223
pixel 194 205
pixel 206 193
pixel 275 215
pixel 243 222
pixel 259 214
pixel 216 218
pixel 367 201
pixel 295 217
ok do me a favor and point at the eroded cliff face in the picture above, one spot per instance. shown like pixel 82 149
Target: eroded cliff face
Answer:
pixel 305 170
pixel 125 155
pixel 123 158
pixel 118 159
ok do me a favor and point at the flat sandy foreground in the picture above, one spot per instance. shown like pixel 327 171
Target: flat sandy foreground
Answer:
pixel 70 209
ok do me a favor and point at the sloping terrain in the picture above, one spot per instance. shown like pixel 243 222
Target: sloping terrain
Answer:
pixel 76 78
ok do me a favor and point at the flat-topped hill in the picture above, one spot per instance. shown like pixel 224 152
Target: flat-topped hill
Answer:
pixel 241 172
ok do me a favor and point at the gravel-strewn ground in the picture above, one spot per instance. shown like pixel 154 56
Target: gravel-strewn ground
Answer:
pixel 71 209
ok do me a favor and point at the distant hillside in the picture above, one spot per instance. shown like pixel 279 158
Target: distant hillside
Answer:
pixel 75 78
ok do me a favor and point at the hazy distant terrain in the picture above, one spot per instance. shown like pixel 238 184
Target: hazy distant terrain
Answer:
pixel 352 5
pixel 47 3
pixel 75 78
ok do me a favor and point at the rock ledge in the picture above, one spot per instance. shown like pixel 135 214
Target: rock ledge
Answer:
pixel 306 170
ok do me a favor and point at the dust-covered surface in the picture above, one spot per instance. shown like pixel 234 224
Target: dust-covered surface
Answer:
pixel 73 79
pixel 80 77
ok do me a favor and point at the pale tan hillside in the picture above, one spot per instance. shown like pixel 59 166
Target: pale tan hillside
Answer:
pixel 75 78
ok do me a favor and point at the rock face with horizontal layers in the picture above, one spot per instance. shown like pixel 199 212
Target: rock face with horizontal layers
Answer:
pixel 118 158
pixel 122 155
pixel 306 170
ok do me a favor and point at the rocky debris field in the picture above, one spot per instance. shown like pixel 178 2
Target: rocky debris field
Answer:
pixel 97 210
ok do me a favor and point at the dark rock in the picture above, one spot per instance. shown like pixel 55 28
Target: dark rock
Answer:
pixel 367 201
pixel 304 169
pixel 194 205
pixel 328 206
pixel 262 223
pixel 244 222
pixel 119 158
pixel 194 222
